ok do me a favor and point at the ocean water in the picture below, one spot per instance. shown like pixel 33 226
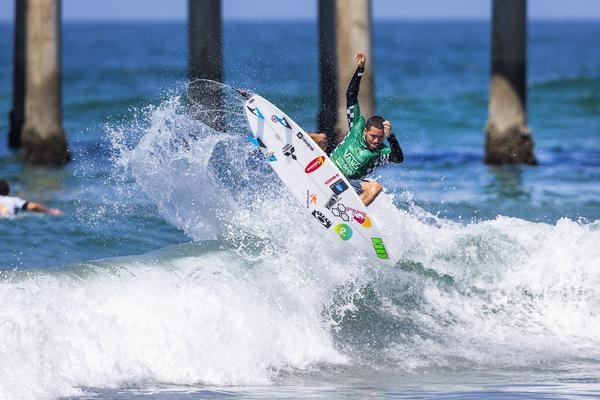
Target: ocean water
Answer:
pixel 182 270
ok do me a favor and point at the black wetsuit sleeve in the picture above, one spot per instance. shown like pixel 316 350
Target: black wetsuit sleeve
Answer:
pixel 396 156
pixel 353 87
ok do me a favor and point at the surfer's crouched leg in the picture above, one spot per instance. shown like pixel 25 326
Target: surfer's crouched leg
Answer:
pixel 320 139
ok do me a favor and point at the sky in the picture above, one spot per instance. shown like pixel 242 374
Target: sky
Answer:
pixel 93 10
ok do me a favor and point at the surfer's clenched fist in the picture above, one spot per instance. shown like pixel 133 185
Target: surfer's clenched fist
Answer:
pixel 360 60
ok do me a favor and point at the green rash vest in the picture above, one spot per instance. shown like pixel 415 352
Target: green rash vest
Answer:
pixel 352 156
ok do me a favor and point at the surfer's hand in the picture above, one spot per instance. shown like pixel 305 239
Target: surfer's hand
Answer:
pixel 387 128
pixel 360 60
pixel 244 93
pixel 320 139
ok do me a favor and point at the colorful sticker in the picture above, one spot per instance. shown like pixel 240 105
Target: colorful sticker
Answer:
pixel 379 248
pixel 344 231
pixel 364 220
pixel 314 164
pixel 256 141
pixel 270 156
pixel 256 112
pixel 339 186
pixel 311 199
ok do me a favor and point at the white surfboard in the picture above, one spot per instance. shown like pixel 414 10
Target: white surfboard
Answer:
pixel 312 177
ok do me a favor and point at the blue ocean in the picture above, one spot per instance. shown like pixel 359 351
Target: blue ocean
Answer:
pixel 182 269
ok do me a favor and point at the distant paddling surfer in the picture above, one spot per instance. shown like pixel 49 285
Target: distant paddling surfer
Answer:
pixel 363 148
pixel 11 205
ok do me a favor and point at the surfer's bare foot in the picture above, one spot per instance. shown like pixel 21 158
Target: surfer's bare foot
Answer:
pixel 244 93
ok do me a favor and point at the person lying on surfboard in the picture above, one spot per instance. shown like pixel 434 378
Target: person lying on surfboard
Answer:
pixel 363 147
pixel 11 205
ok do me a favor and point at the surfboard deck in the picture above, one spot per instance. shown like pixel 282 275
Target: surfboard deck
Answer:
pixel 312 177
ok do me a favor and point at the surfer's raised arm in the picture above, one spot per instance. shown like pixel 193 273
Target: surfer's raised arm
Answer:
pixel 354 87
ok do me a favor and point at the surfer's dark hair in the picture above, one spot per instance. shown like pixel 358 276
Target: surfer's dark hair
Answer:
pixel 375 121
pixel 4 188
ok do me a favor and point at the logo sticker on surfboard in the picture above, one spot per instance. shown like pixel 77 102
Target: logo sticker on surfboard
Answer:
pixel 379 248
pixel 338 186
pixel 256 141
pixel 363 220
pixel 288 151
pixel 314 164
pixel 343 230
pixel 322 219
pixel 256 112
pixel 281 120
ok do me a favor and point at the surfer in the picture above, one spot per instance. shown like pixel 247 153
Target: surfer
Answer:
pixel 363 148
pixel 11 205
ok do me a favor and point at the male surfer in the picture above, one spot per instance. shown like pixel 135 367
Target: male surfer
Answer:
pixel 10 205
pixel 363 148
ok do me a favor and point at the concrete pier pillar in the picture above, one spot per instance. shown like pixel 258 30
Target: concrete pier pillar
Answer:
pixel 17 114
pixel 43 138
pixel 344 30
pixel 508 139
pixel 205 61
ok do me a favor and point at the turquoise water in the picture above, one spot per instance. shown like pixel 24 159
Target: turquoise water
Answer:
pixel 177 271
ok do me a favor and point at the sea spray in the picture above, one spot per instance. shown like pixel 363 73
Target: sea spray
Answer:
pixel 203 318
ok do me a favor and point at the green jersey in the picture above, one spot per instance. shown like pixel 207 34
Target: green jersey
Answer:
pixel 352 156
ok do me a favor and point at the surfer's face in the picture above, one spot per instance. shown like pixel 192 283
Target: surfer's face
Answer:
pixel 374 137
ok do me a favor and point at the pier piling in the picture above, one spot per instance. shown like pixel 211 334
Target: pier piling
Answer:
pixel 43 138
pixel 344 30
pixel 17 114
pixel 508 139
pixel 205 59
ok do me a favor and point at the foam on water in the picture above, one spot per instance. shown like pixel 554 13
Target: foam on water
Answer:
pixel 264 292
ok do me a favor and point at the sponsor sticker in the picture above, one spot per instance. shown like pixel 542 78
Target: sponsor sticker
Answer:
pixel 270 156
pixel 314 164
pixel 344 231
pixel 256 141
pixel 322 219
pixel 339 186
pixel 256 112
pixel 328 181
pixel 331 202
pixel 288 151
pixel 337 208
pixel 363 220
pixel 311 199
pixel 281 120
pixel 361 217
pixel 300 136
pixel 379 248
